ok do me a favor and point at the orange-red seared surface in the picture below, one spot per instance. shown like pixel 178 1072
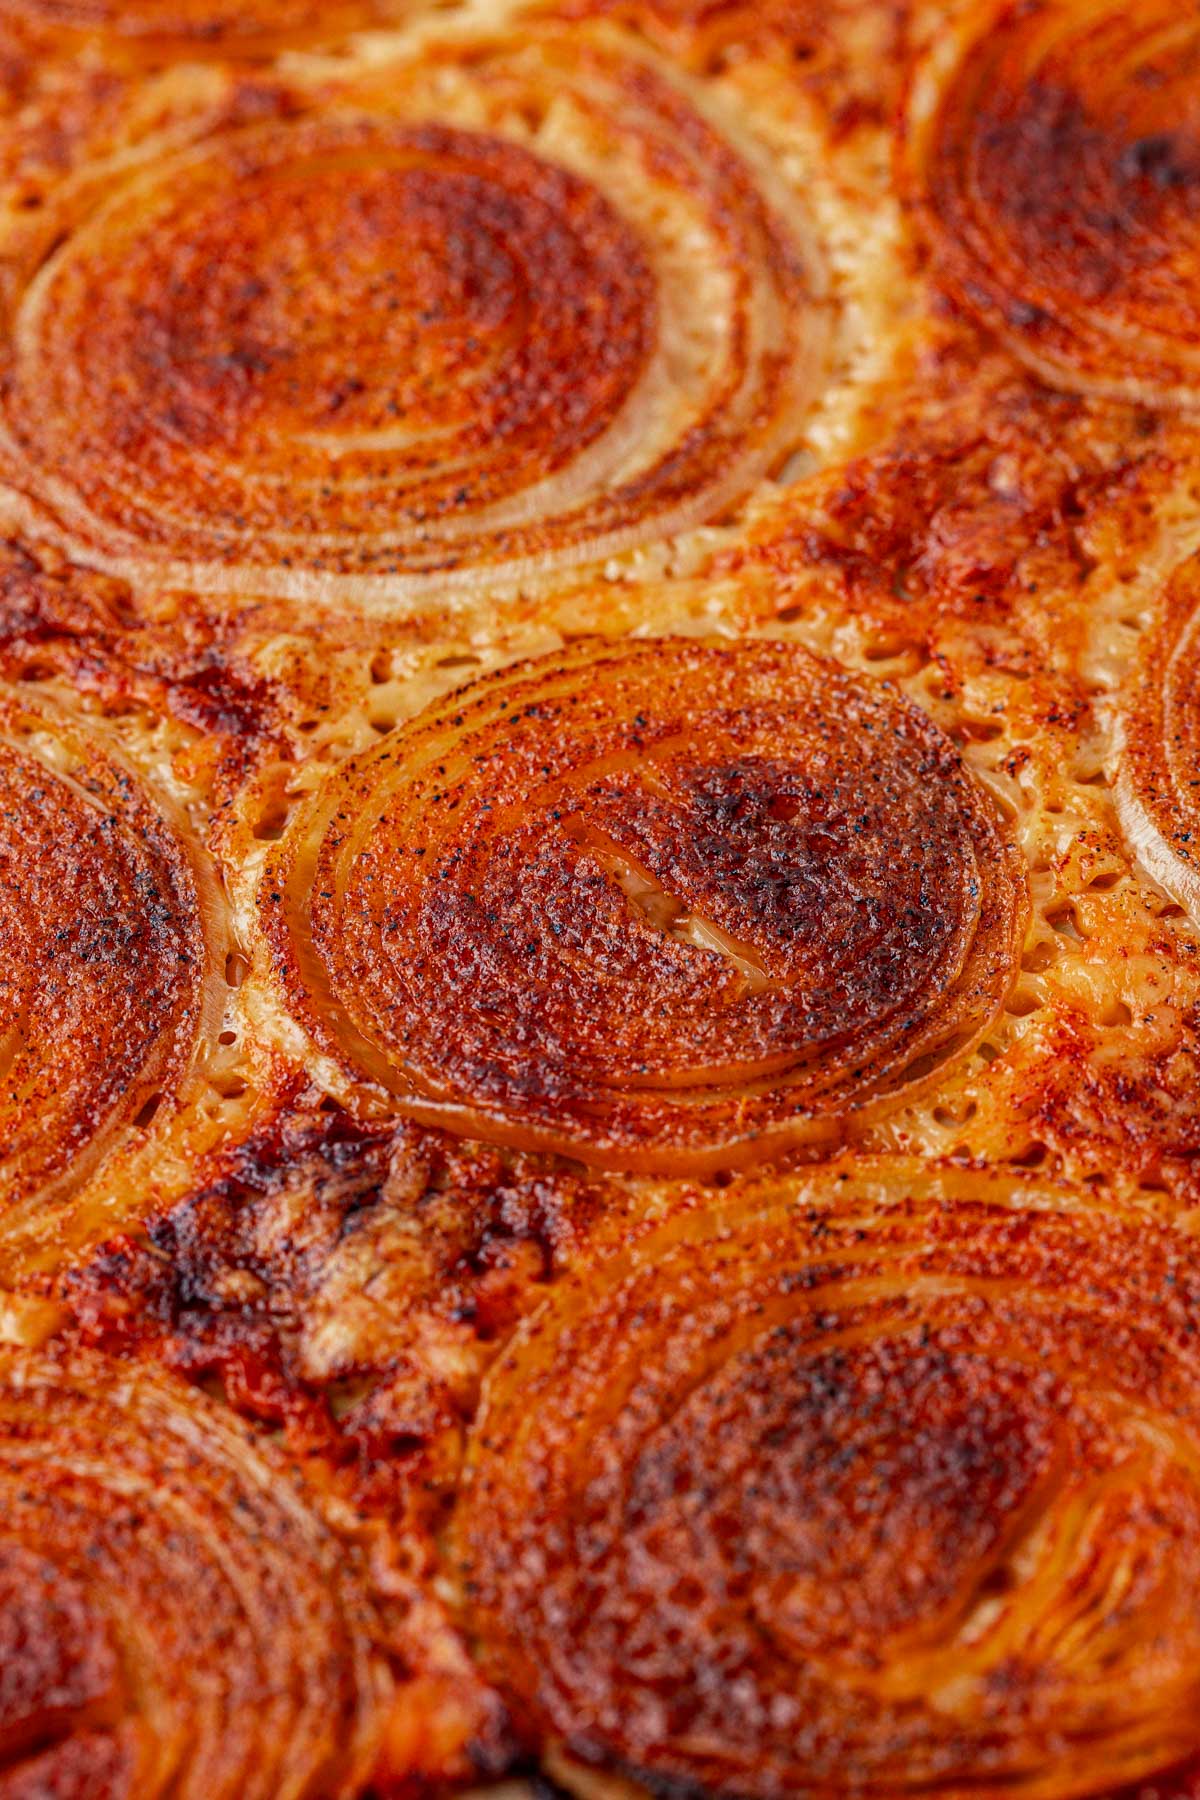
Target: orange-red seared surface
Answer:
pixel 259 28
pixel 657 905
pixel 599 906
pixel 102 951
pixel 146 1539
pixel 372 338
pixel 799 1463
pixel 1061 167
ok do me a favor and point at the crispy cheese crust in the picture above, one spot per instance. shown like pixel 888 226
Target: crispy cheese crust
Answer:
pixel 599 898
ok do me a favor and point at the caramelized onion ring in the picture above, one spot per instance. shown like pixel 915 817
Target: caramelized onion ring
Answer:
pixel 200 27
pixel 1060 166
pixel 651 904
pixel 1159 728
pixel 174 1619
pixel 508 306
pixel 107 978
pixel 894 1476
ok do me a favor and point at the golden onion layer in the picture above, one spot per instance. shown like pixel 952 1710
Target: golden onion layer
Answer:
pixel 110 925
pixel 892 1478
pixel 175 1617
pixel 660 904
pixel 1058 165
pixel 514 304
pixel 257 28
pixel 1159 730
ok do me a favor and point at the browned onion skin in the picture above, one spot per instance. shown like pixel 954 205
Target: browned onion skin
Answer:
pixel 1160 743
pixel 421 349
pixel 174 1618
pixel 198 27
pixel 893 1474
pixel 658 904
pixel 104 952
pixel 1059 170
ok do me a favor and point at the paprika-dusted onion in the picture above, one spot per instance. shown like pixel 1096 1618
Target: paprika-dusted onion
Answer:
pixel 657 904
pixel 1158 773
pixel 887 1482
pixel 198 27
pixel 109 974
pixel 1059 163
pixel 175 1618
pixel 500 306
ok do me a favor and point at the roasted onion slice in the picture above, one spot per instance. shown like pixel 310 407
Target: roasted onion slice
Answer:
pixel 109 924
pixel 174 1616
pixel 502 305
pixel 1158 773
pixel 1060 167
pixel 655 904
pixel 197 27
pixel 886 1483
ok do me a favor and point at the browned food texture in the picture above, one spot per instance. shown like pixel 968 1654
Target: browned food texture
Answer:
pixel 663 904
pixel 1158 780
pixel 177 1618
pixel 442 323
pixel 988 499
pixel 999 1514
pixel 876 1474
pixel 1058 164
pixel 254 28
pixel 346 1287
pixel 889 1476
pixel 1090 1063
pixel 845 53
pixel 108 929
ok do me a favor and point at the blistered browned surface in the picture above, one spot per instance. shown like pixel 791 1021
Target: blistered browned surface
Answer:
pixel 147 1538
pixel 257 28
pixel 660 905
pixel 534 379
pixel 834 366
pixel 845 56
pixel 1058 165
pixel 990 500
pixel 79 634
pixel 696 1474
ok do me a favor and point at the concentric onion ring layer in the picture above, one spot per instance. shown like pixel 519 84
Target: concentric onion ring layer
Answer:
pixel 173 1618
pixel 1061 167
pixel 867 1475
pixel 103 953
pixel 1160 731
pixel 505 306
pixel 650 904
pixel 199 27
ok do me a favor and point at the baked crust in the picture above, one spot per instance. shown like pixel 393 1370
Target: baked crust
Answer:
pixel 599 991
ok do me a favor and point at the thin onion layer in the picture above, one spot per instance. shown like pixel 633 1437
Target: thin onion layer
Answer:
pixel 503 305
pixel 1159 727
pixel 106 958
pixel 655 904
pixel 1060 165
pixel 174 1617
pixel 889 1478
pixel 191 28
